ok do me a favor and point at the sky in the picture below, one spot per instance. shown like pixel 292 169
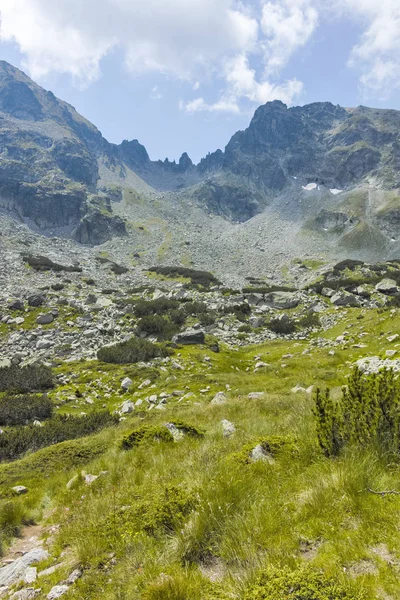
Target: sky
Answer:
pixel 185 75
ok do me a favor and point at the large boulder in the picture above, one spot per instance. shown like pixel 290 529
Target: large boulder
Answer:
pixel 387 286
pixel 345 299
pixel 190 337
pixel 282 300
pixel 14 572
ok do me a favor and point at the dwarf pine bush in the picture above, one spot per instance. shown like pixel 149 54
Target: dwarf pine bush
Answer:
pixel 300 584
pixel 368 412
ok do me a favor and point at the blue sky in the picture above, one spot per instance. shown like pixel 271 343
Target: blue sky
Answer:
pixel 184 75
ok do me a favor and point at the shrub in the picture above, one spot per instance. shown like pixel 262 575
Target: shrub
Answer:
pixel 349 264
pixel 368 412
pixel 199 278
pixel 273 446
pixel 304 583
pixel 245 329
pixel 132 351
pixel 283 325
pixel 32 378
pixel 143 308
pixel 158 326
pixel 19 410
pixel 241 311
pixel 145 434
pixel 310 320
pixel 15 442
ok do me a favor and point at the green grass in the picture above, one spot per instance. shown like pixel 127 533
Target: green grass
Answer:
pixel 196 519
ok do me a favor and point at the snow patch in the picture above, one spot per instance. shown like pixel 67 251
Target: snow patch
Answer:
pixel 309 187
pixel 335 191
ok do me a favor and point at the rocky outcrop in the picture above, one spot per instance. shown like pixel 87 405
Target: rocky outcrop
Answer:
pixel 98 227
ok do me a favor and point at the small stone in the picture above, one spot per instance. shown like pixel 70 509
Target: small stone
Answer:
pixel 45 319
pixel 73 578
pixel 392 338
pixel 228 428
pixel 126 383
pixel 255 395
pixel 258 454
pixel 20 489
pixel 57 591
pixel 297 389
pixel 127 407
pixel 219 398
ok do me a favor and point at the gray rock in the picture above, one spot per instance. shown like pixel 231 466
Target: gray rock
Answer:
pixel 19 490
pixel 57 591
pixel 345 299
pixel 45 319
pixel 126 383
pixel 327 292
pixel 30 575
pixel 74 576
pixel 127 408
pixel 190 337
pixel 36 300
pixel 228 428
pixel 387 286
pixel 255 395
pixel 176 433
pixel 26 594
pixel 219 398
pixel 16 305
pixel 258 454
pixel 14 572
pixel 282 300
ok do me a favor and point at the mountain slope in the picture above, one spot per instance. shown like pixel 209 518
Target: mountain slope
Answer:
pixel 318 172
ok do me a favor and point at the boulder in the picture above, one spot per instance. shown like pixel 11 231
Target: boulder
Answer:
pixel 258 454
pixel 127 408
pixel 228 428
pixel 16 305
pixel 57 591
pixel 219 398
pixel 36 300
pixel 345 299
pixel 282 300
pixel 190 337
pixel 14 572
pixel 387 286
pixel 19 490
pixel 126 383
pixel 45 319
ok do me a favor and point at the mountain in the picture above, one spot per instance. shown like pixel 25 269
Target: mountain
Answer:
pixel 320 168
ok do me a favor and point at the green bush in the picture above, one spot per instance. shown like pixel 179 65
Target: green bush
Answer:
pixel 241 311
pixel 132 351
pixel 19 410
pixel 367 413
pixel 145 434
pixel 300 584
pixel 158 326
pixel 32 378
pixel 310 320
pixel 15 442
pixel 143 308
pixel 282 325
pixel 198 278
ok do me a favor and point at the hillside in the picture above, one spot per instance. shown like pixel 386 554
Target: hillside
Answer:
pixel 194 468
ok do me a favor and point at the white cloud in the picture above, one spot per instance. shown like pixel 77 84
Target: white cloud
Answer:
pixel 200 105
pixel 176 37
pixel 202 41
pixel 377 55
pixel 287 26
